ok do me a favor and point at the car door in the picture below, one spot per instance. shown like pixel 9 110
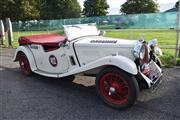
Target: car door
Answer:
pixel 54 61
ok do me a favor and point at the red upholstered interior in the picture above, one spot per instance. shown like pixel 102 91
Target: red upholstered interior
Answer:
pixel 43 39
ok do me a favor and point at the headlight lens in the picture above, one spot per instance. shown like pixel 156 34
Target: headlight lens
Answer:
pixel 153 44
pixel 139 50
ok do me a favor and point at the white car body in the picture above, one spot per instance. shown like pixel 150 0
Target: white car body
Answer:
pixel 97 55
pixel 85 52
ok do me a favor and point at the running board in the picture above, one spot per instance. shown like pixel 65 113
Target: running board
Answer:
pixel 47 74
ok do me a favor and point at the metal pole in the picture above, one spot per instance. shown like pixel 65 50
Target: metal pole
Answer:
pixel 9 31
pixel 177 35
pixel 2 34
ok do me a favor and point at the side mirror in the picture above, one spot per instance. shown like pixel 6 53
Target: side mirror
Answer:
pixel 102 33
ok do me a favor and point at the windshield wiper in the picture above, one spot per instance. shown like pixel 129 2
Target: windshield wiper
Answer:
pixel 76 26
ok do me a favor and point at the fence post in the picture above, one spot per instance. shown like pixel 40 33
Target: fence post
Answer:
pixel 2 34
pixel 9 31
pixel 177 36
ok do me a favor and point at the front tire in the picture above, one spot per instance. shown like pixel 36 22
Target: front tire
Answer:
pixel 24 64
pixel 117 88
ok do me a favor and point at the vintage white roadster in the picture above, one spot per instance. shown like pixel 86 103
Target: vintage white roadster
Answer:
pixel 121 67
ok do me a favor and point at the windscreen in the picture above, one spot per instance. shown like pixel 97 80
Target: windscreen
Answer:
pixel 81 30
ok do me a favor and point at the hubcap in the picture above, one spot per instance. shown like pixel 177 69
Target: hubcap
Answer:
pixel 114 88
pixel 24 65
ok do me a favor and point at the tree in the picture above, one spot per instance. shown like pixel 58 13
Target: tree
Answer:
pixel 95 8
pixel 58 9
pixel 28 10
pixel 39 9
pixel 139 6
pixel 19 9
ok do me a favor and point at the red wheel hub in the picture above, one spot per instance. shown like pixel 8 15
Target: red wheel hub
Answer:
pixel 24 64
pixel 114 88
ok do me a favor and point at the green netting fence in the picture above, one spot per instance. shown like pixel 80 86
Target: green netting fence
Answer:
pixel 135 21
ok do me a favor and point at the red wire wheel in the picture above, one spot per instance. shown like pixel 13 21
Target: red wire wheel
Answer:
pixel 117 88
pixel 24 64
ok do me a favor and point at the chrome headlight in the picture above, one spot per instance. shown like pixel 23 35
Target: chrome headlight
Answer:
pixel 139 50
pixel 153 44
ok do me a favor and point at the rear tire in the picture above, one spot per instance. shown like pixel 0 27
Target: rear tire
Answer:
pixel 117 88
pixel 24 64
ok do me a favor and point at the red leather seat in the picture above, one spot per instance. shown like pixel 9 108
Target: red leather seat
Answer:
pixel 53 40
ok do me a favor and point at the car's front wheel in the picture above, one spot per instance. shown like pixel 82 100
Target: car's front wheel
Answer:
pixel 117 88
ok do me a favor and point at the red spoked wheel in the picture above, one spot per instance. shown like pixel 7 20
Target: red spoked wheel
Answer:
pixel 117 88
pixel 114 88
pixel 24 64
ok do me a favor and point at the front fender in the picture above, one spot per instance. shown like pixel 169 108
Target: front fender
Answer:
pixel 29 55
pixel 121 62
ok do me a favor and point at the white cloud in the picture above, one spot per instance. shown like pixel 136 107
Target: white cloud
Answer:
pixel 81 2
pixel 115 6
pixel 166 1
pixel 115 3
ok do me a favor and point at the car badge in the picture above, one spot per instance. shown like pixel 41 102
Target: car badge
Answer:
pixel 53 60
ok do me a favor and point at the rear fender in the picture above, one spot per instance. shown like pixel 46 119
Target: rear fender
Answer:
pixel 29 55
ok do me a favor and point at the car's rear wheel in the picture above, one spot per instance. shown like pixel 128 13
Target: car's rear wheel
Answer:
pixel 24 64
pixel 117 88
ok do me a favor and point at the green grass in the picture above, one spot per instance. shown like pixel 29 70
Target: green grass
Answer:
pixel 164 37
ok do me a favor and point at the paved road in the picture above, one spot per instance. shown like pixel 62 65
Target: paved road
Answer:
pixel 42 98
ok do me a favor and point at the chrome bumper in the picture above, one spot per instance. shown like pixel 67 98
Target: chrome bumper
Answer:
pixel 156 82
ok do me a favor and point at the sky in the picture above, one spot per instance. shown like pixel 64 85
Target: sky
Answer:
pixel 115 5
